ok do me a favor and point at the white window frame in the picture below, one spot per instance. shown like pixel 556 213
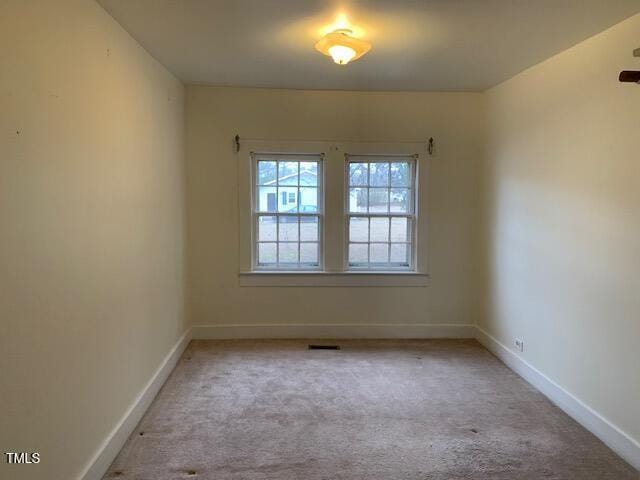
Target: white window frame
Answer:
pixel 411 215
pixel 256 213
pixel 332 272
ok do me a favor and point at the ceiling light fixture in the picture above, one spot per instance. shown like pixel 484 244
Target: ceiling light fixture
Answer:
pixel 342 46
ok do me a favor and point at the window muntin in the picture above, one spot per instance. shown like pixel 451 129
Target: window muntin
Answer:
pixel 287 211
pixel 380 212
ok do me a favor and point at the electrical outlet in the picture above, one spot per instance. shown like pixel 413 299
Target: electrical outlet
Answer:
pixel 519 345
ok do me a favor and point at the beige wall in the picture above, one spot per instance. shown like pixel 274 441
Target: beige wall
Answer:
pixel 91 229
pixel 562 226
pixel 215 115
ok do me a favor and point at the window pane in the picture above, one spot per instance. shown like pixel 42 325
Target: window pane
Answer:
pixel 288 173
pixel 267 228
pixel 309 253
pixel 358 174
pixel 400 230
pixel 358 253
pixel 309 173
pixel 359 229
pixel 379 229
pixel 267 173
pixel 400 174
pixel 266 253
pixel 400 200
pixel 283 199
pixel 309 229
pixel 378 253
pixel 400 253
pixel 288 231
pixel 288 252
pixel 308 200
pixel 379 174
pixel 267 199
pixel 378 200
pixel 358 200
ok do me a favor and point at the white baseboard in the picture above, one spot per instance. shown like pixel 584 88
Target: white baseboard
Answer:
pixel 104 456
pixel 616 439
pixel 403 330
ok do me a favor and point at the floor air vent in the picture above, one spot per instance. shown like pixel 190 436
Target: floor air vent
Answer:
pixel 324 347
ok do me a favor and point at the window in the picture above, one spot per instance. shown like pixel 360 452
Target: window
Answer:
pixel 287 232
pixel 354 215
pixel 380 212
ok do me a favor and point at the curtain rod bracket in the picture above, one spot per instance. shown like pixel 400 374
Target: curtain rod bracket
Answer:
pixel 629 76
pixel 237 140
pixel 430 146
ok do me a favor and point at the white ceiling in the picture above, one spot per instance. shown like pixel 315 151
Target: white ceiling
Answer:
pixel 417 44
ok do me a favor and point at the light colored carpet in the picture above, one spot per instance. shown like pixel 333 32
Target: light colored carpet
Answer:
pixel 374 410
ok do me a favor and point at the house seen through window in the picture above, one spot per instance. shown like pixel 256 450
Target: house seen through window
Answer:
pixel 287 211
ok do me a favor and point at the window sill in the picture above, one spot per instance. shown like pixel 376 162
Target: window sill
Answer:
pixel 333 279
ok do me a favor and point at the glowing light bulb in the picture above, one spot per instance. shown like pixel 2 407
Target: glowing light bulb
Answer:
pixel 341 22
pixel 341 54
pixel 342 46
